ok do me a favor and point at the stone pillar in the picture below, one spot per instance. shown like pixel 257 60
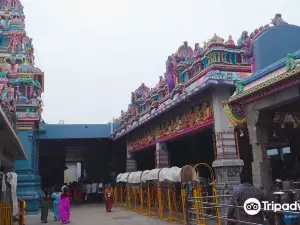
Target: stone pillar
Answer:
pixel 29 181
pixel 258 125
pixel 162 159
pixel 227 164
pixel 78 169
pixel 131 165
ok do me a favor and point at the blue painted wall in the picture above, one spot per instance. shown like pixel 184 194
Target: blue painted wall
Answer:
pixel 29 181
pixel 76 131
pixel 275 44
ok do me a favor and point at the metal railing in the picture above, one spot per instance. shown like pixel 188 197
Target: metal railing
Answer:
pixel 199 208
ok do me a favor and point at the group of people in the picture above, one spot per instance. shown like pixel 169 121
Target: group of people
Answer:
pixel 60 205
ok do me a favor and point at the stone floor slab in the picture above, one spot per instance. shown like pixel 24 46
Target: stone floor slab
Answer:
pixel 96 215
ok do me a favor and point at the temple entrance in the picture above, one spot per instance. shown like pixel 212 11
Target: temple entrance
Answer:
pixel 80 160
pixel 283 140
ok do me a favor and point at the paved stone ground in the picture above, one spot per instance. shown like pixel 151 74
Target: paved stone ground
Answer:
pixel 96 215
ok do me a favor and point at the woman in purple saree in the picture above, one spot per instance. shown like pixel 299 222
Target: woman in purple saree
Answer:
pixel 64 207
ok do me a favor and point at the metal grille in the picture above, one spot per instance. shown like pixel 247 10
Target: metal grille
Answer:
pixel 204 211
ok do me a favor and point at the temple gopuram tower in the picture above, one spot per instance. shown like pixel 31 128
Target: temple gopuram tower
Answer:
pixel 21 85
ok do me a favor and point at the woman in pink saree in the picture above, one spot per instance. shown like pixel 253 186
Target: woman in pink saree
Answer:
pixel 64 206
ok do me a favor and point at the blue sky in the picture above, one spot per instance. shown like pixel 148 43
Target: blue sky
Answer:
pixel 95 53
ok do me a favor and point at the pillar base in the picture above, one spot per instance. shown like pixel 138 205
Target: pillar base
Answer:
pixel 29 190
pixel 227 172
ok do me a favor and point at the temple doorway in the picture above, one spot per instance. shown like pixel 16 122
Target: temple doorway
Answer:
pixel 99 159
pixel 283 132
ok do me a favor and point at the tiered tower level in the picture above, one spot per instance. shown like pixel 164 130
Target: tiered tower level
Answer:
pixel 21 85
pixel 188 72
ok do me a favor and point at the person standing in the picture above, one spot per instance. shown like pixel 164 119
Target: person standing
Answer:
pixel 100 191
pixel 108 198
pixel 55 200
pixel 88 192
pixel 83 190
pixel 44 206
pixel 240 195
pixel 64 206
pixel 78 194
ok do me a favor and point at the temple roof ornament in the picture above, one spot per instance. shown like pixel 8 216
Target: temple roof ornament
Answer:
pixel 277 20
pixel 230 41
pixel 198 50
pixel 214 40
pixel 184 54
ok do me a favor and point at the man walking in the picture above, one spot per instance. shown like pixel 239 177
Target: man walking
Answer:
pixel 246 191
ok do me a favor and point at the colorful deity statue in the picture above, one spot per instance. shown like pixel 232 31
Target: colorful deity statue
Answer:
pixel 248 47
pixel 208 114
pixel 3 92
pixel 184 54
pixel 22 99
pixel 199 114
pixel 168 128
pixel 230 41
pixel 18 5
pixel 9 3
pixel 3 22
pixel 11 92
pixel 162 82
pixel 31 56
pixel 150 137
pixel 14 42
pixel 242 40
pixel 191 118
pixel 160 131
pixel 198 50
pixel 179 123
pixel 216 39
pixel 13 60
pixel 290 62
